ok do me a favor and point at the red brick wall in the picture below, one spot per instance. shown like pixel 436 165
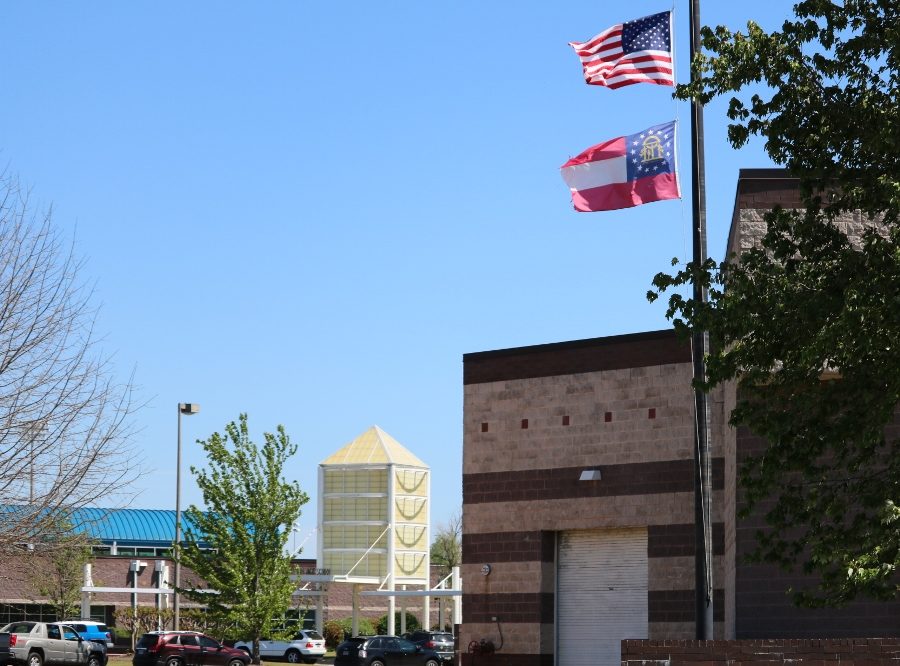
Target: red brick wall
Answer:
pixel 868 651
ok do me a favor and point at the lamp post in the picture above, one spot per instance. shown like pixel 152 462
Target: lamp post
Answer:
pixel 186 408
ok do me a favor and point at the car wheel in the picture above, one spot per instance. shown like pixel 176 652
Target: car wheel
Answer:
pixel 173 661
pixel 292 656
pixel 432 662
pixel 236 662
pixel 35 659
pixel 376 662
pixel 94 660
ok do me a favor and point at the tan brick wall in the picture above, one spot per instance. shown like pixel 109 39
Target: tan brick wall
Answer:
pixel 586 512
pixel 496 443
pixel 630 437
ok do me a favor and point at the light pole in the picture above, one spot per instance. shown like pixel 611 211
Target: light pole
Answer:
pixel 186 408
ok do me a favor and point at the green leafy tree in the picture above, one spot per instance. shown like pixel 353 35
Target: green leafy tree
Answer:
pixel 243 532
pixel 812 303
pixel 446 550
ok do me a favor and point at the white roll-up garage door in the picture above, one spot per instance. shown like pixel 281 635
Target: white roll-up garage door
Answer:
pixel 601 594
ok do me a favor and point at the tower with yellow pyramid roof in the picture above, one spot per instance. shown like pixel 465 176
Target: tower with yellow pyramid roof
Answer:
pixel 374 513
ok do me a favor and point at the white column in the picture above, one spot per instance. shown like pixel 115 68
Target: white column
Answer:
pixel 354 618
pixel 426 602
pixel 403 612
pixel 320 609
pixel 456 582
pixel 86 596
pixel 320 535
pixel 391 566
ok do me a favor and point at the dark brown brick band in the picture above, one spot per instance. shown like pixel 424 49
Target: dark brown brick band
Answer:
pixel 515 607
pixel 872 652
pixel 509 547
pixel 764 188
pixel 505 659
pixel 669 476
pixel 680 605
pixel 564 358
pixel 679 541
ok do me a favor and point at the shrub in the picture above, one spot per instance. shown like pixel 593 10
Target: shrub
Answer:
pixel 334 631
pixel 412 623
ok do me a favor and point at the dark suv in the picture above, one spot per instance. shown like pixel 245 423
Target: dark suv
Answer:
pixel 439 641
pixel 383 651
pixel 185 648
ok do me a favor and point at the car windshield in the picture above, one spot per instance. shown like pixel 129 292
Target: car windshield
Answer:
pixel 148 640
pixel 314 635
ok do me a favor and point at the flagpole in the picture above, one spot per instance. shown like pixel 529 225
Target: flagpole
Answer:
pixel 703 557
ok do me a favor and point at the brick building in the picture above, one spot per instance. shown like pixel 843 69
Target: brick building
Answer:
pixel 578 505
pixel 131 550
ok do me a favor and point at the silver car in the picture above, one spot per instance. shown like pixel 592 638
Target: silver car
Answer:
pixel 307 646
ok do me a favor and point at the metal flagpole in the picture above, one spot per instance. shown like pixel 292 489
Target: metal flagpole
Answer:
pixel 700 344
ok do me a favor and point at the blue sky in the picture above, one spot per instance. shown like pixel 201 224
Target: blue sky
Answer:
pixel 310 211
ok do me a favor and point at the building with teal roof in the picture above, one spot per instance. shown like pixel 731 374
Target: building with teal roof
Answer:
pixel 125 532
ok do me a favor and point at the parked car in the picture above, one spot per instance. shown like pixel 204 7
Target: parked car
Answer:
pixel 92 631
pixel 307 646
pixel 6 655
pixel 439 641
pixel 185 648
pixel 50 643
pixel 383 651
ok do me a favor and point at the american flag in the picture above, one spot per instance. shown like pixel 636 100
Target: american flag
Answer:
pixel 638 51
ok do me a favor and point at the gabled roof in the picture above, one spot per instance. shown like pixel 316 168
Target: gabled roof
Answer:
pixel 374 447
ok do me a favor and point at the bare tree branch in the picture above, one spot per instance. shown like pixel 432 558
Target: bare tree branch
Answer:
pixel 65 421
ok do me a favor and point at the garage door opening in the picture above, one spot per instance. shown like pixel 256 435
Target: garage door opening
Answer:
pixel 601 594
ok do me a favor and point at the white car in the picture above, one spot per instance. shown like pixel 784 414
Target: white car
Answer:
pixel 307 646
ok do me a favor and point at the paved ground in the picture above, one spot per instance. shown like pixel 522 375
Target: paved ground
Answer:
pixel 120 659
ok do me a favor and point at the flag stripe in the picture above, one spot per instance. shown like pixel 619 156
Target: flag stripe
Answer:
pixel 589 175
pixel 613 33
pixel 602 151
pixel 626 195
pixel 627 81
pixel 636 56
pixel 656 72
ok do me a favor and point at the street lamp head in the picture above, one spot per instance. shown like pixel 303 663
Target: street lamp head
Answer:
pixel 188 408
